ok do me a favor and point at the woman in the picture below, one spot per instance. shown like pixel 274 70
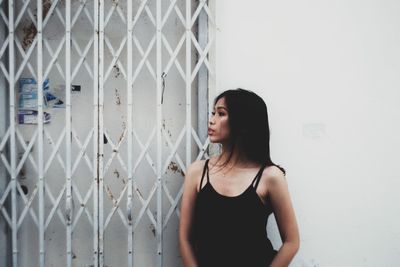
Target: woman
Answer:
pixel 228 198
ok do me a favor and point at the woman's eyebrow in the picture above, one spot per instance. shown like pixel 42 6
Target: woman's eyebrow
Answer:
pixel 220 107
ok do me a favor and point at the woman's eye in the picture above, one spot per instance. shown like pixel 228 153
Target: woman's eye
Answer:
pixel 213 113
pixel 221 114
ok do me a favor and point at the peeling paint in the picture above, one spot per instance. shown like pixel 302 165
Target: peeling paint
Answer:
pixel 175 168
pixel 116 173
pixel 168 131
pixel 117 71
pixel 118 101
pixel 153 229
pixel 30 31
pixel 25 189
pixel 111 196
pixel 121 137
pixel 22 172
pixel 140 193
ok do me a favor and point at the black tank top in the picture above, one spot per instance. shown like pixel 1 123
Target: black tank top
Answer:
pixel 231 231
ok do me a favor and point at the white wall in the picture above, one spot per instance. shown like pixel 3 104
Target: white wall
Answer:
pixel 329 72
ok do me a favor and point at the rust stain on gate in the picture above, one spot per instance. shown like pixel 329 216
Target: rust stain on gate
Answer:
pixel 30 31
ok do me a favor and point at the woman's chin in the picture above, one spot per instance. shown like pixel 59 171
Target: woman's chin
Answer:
pixel 214 140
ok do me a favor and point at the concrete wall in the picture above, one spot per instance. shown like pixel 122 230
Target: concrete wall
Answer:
pixel 329 73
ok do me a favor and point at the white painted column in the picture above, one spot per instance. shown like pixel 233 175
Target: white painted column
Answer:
pixel 129 88
pixel 68 132
pixel 100 129
pixel 13 163
pixel 97 138
pixel 40 136
pixel 159 226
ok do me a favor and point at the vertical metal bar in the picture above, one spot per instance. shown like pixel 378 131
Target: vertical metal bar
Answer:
pixel 159 142
pixel 96 138
pixel 130 133
pixel 101 133
pixel 5 254
pixel 211 56
pixel 202 104
pixel 188 83
pixel 40 130
pixel 11 58
pixel 68 130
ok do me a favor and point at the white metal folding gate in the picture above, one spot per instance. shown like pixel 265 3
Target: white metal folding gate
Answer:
pixel 98 183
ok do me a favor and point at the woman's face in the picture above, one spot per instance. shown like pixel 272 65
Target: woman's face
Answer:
pixel 218 126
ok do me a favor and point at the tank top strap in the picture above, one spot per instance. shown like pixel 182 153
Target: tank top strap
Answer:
pixel 257 179
pixel 203 174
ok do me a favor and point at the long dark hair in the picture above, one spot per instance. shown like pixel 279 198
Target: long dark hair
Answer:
pixel 249 127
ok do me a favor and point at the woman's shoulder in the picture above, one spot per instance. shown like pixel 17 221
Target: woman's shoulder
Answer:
pixel 273 174
pixel 196 168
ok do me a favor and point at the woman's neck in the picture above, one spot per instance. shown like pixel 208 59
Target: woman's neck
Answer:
pixel 229 158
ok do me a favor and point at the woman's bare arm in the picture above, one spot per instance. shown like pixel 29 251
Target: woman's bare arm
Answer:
pixel 285 217
pixel 187 211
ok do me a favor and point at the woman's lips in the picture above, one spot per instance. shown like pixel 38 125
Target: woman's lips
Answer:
pixel 210 131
